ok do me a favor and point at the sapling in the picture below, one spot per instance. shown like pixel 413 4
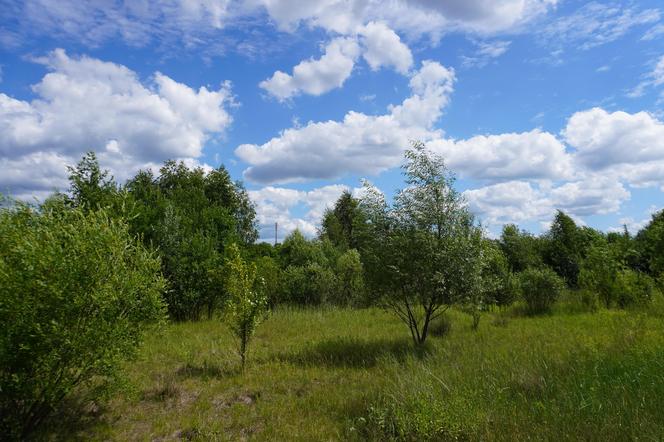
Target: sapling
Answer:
pixel 247 301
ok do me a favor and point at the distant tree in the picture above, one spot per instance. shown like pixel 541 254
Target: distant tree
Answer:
pixel 90 186
pixel 349 277
pixel 345 225
pixel 247 303
pixel 599 273
pixel 564 248
pixel 190 216
pixel 499 283
pixel 649 242
pixel 540 288
pixel 520 248
pixel 425 248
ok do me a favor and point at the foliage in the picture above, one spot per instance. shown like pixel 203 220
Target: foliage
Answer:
pixel 350 281
pixel 345 225
pixel 90 187
pixel 540 289
pixel 566 245
pixel 520 248
pixel 633 288
pixel 425 251
pixel 269 271
pixel 650 243
pixel 190 216
pixel 499 283
pixel 247 302
pixel 599 273
pixel 76 293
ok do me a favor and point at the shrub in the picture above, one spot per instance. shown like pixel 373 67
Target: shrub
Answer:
pixel 540 289
pixel 349 279
pixel 76 292
pixel 633 288
pixel 247 301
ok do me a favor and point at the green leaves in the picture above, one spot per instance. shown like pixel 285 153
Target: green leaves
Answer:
pixel 76 291
pixel 428 241
pixel 247 301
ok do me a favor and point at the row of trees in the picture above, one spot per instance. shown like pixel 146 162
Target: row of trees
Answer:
pixel 83 274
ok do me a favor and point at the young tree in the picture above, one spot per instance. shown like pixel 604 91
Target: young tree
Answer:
pixel 424 249
pixel 247 302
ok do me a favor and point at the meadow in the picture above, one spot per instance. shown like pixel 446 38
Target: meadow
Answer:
pixel 354 374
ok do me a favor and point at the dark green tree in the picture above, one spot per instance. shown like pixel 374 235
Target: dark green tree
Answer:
pixel 345 225
pixel 520 248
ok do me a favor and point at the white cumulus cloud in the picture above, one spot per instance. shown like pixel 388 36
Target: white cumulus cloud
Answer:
pixel 359 143
pixel 86 104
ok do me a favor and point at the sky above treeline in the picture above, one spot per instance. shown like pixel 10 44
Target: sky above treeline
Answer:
pixel 536 105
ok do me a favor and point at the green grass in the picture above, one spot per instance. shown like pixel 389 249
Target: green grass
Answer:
pixel 339 374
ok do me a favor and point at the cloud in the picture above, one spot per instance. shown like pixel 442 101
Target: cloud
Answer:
pixel 595 24
pixel 486 52
pixel 632 225
pixel 654 32
pixel 418 16
pixel 379 46
pixel 383 47
pixel 630 146
pixel 87 104
pixel 359 143
pixel 653 78
pixel 520 201
pixel 315 77
pixel 136 23
pixel 279 204
pixel 505 157
pixel 201 23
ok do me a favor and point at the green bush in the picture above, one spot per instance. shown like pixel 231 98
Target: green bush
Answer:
pixel 350 282
pixel 633 288
pixel 540 289
pixel 247 301
pixel 76 292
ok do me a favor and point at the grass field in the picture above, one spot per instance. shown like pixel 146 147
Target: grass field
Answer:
pixel 340 374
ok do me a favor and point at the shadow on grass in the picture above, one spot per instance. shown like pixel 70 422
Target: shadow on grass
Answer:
pixel 206 370
pixel 353 352
pixel 74 420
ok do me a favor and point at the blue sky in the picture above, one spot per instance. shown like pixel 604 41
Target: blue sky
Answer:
pixel 535 104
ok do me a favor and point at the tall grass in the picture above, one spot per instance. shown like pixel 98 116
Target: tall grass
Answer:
pixel 338 374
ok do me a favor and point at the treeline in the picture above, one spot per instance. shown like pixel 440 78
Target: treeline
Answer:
pixel 83 274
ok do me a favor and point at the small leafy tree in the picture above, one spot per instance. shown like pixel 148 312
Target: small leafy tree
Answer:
pixel 76 293
pixel 423 253
pixel 540 289
pixel 247 302
pixel 349 278
pixel 599 273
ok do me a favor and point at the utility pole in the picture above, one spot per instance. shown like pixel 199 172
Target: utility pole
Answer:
pixel 275 233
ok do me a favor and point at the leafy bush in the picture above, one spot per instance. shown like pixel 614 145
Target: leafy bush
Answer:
pixel 633 288
pixel 76 292
pixel 350 282
pixel 599 273
pixel 540 289
pixel 268 269
pixel 246 303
